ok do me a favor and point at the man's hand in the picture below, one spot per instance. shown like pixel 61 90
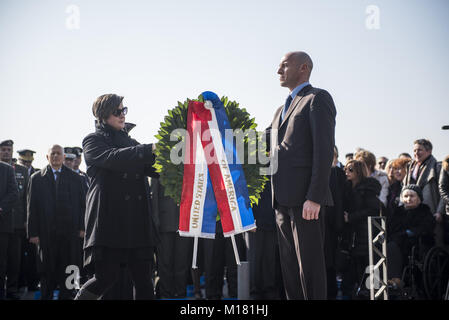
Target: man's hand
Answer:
pixel 82 233
pixel 346 217
pixel 438 217
pixel 34 240
pixel 310 210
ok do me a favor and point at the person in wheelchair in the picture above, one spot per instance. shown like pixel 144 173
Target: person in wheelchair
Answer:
pixel 412 224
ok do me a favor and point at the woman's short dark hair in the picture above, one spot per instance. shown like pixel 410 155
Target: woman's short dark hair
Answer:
pixel 359 168
pixel 105 105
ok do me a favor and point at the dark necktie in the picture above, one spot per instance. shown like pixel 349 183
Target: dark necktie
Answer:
pixel 287 104
pixel 57 178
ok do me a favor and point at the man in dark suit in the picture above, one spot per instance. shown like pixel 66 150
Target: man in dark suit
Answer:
pixel 56 205
pixel 302 147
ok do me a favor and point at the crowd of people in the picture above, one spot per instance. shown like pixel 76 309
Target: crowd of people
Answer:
pixel 404 190
pixel 410 192
pixel 59 216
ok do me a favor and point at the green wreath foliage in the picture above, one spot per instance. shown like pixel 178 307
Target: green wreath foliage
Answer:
pixel 171 175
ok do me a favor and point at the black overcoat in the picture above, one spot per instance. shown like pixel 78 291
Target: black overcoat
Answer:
pixel 45 208
pixel 361 202
pixel 419 221
pixel 118 211
pixel 9 194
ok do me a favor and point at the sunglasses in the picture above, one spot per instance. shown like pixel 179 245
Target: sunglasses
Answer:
pixel 118 112
pixel 350 169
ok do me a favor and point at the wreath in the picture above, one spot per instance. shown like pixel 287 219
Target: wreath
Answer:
pixel 171 174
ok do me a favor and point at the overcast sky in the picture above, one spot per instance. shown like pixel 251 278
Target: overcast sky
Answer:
pixel 384 62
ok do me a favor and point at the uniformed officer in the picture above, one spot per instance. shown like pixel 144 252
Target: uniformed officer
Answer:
pixel 26 159
pixel 28 274
pixel 8 196
pixel 173 250
pixel 19 219
pixel 69 157
pixel 76 164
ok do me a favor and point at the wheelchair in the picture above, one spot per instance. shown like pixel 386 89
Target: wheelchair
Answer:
pixel 426 276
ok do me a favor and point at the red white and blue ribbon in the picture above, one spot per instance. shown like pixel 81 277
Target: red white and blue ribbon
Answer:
pixel 213 177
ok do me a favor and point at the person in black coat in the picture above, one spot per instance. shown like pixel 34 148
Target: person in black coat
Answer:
pixel 334 221
pixel 361 201
pixel 55 222
pixel 218 257
pixel 18 213
pixel 9 194
pixel 265 268
pixel 174 251
pixel 411 223
pixel 119 224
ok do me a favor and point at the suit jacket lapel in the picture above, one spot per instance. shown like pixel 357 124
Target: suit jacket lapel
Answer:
pixel 294 103
pixel 48 174
pixel 427 173
pixel 277 118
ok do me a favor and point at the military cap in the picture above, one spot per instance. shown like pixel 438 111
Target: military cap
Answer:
pixel 26 155
pixel 68 150
pixel 70 156
pixel 6 143
pixel 77 151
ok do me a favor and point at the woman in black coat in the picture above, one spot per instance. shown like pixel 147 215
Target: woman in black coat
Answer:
pixel 119 224
pixel 334 222
pixel 361 202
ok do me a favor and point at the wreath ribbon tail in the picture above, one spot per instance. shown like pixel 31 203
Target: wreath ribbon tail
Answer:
pixel 198 207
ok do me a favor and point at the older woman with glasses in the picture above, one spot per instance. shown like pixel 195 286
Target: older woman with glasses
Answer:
pixel 119 225
pixel 396 171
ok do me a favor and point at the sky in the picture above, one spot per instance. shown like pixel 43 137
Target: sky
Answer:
pixel 385 63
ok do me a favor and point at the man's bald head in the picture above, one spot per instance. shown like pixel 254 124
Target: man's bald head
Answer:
pixel 55 156
pixel 300 57
pixel 294 69
pixel 55 147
